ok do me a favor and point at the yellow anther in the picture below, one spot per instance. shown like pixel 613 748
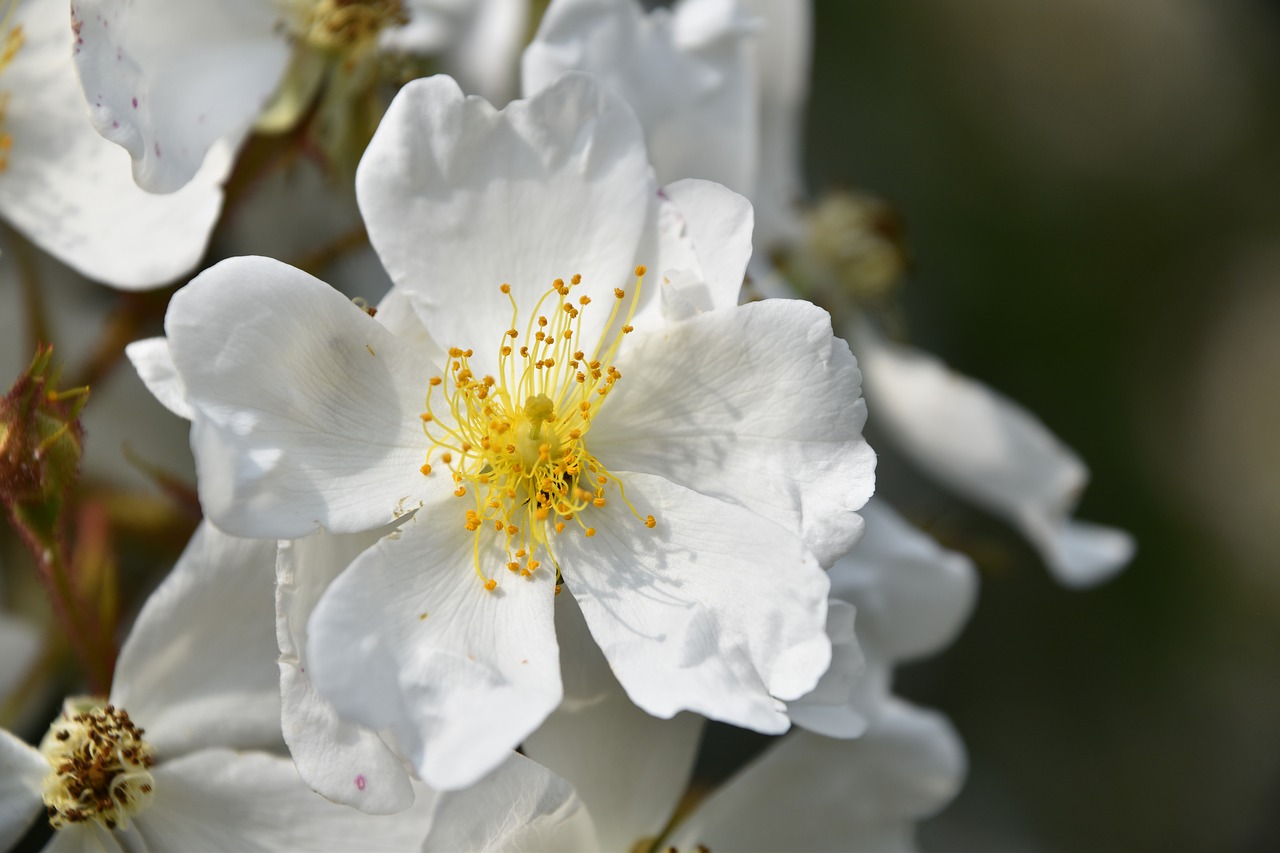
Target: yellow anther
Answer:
pixel 446 458
pixel 505 288
pixel 426 416
pixel 425 469
pixel 650 522
pixel 490 584
pixel 577 279
pixel 591 531
pixel 641 270
pixel 619 293
pixel 460 491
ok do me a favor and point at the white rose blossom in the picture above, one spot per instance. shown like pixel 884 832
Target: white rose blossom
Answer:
pixel 683 464
pixel 611 777
pixel 171 80
pixel 70 191
pixel 180 755
pixel 985 447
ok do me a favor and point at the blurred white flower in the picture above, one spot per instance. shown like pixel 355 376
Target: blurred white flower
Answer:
pixel 735 432
pixel 68 190
pixel 170 80
pixel 174 758
pixel 970 438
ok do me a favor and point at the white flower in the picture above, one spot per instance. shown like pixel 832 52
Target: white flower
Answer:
pixel 68 190
pixel 170 80
pixel 612 777
pixel 173 759
pixel 735 431
pixel 973 440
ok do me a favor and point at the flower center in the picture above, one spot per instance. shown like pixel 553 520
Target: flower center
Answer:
pixel 13 41
pixel 100 766
pixel 516 443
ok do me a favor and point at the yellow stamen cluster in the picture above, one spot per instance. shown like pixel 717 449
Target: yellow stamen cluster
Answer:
pixel 346 25
pixel 100 766
pixel 14 38
pixel 515 443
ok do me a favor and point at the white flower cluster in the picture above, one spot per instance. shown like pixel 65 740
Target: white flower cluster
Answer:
pixel 479 561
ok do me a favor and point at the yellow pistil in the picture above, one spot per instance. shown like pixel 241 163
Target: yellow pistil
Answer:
pixel 100 767
pixel 515 443
pixel 13 41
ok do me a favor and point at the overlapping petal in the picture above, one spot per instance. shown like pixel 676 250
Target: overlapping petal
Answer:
pixel 215 606
pixel 757 406
pixel 715 610
pixel 218 799
pixel 408 639
pixel 686 71
pixel 345 761
pixel 460 198
pixel 520 807
pixel 306 409
pixel 170 79
pixel 71 192
pixel 861 794
pixel 634 793
pixel 991 451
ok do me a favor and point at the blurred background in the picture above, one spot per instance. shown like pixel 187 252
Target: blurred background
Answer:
pixel 1089 189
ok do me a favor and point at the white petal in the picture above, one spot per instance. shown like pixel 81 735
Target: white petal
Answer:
pixel 913 597
pixel 634 793
pixel 460 198
pixel 830 708
pixel 71 192
pixel 814 793
pixel 991 451
pixel 221 800
pixel 520 807
pixel 168 79
pixel 719 222
pixel 711 611
pixel 198 669
pixel 346 762
pixel 154 362
pixel 408 639
pixel 19 644
pixel 93 837
pixel 686 72
pixel 783 51
pixel 759 406
pixel 306 409
pixel 481 41
pixel 22 772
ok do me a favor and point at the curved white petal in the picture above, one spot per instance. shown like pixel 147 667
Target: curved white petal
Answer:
pixel 758 406
pixel 461 198
pixel 19 644
pixel 830 708
pixel 715 610
pixel 813 793
pixel 634 793
pixel 719 223
pixel 71 192
pixel 783 51
pixel 221 800
pixel 991 451
pixel 687 72
pixel 520 807
pixel 22 772
pixel 912 596
pixel 346 762
pixel 153 361
pixel 169 79
pixel 408 639
pixel 198 668
pixel 306 409
pixel 478 42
